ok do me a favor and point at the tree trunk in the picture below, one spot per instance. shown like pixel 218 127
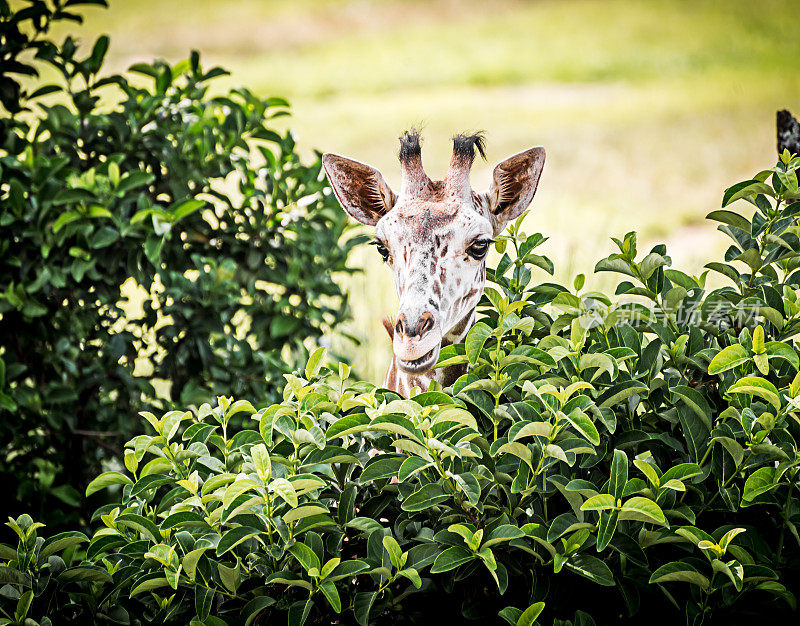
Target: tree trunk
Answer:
pixel 788 133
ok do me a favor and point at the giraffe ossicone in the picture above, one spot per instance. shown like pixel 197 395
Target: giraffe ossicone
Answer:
pixel 435 236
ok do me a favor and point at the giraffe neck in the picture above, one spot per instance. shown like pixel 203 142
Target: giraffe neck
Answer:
pixel 402 382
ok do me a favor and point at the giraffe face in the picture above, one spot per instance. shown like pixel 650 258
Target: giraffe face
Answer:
pixel 434 235
pixel 437 253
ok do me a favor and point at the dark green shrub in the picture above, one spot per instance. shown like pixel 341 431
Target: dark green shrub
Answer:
pixel 627 462
pixel 150 178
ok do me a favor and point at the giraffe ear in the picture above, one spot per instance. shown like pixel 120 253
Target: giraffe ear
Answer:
pixel 359 187
pixel 513 185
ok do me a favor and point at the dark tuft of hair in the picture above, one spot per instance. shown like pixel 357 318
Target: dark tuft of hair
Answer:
pixel 465 145
pixel 410 144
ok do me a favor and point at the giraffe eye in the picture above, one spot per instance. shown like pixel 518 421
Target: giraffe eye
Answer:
pixel 382 249
pixel 479 248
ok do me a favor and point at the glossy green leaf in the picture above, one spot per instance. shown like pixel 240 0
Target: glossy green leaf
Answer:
pixel 362 605
pixel 679 571
pixel 728 358
pixel 382 468
pixel 581 422
pixel 621 392
pixel 60 542
pixel 780 350
pixel 476 338
pixel 759 482
pixel 745 189
pixel 619 473
pixel 592 568
pixel 730 218
pixel 529 615
pixel 314 363
pixel 519 450
pixel 451 558
pixel 305 556
pixel 393 550
pixel 302 512
pixel 643 510
pixel 254 608
pixel 233 537
pixel 285 490
pixel 649 471
pixel 189 562
pixel 682 471
pixel 425 497
pixel 328 589
pixel 501 534
pixel 600 502
pixel 759 387
pixel 606 528
pixel 348 425
pixel 107 479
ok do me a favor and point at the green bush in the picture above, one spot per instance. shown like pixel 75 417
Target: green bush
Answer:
pixel 647 447
pixel 159 181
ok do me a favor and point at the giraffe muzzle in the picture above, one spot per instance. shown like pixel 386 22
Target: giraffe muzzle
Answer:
pixel 417 344
pixel 420 365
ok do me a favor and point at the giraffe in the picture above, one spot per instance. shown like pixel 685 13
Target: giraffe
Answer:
pixel 434 235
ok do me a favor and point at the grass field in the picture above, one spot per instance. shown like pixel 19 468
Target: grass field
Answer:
pixel 648 109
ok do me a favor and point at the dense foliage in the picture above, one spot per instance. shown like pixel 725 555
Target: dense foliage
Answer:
pixel 617 459
pixel 224 240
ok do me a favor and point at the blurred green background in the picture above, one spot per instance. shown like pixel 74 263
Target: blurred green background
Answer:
pixel 648 109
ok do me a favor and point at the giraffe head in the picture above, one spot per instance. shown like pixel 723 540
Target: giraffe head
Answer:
pixel 435 235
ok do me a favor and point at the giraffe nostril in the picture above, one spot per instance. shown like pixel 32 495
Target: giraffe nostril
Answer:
pixel 425 323
pixel 415 330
